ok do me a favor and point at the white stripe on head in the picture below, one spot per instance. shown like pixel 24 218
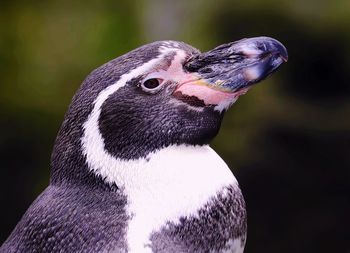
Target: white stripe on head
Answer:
pixel 97 158
pixel 172 182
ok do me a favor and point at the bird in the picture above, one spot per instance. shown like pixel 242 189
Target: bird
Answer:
pixel 131 167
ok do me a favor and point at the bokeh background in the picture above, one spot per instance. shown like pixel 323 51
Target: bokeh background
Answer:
pixel 287 140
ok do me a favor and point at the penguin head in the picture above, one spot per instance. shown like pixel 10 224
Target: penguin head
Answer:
pixel 161 94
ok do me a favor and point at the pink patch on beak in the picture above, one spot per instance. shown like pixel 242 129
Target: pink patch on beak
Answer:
pixel 209 95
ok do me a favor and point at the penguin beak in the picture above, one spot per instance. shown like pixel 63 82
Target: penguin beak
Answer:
pixel 229 70
pixel 238 65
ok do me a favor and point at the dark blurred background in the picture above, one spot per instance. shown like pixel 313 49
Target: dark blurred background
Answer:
pixel 287 140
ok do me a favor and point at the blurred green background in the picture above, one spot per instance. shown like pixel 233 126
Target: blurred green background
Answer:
pixel 287 140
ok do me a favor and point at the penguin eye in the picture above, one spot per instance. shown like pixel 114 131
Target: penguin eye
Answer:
pixel 151 84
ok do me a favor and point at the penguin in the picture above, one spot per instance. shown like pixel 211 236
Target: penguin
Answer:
pixel 132 169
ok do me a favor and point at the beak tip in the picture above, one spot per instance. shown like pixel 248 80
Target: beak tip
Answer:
pixel 280 49
pixel 240 64
pixel 283 54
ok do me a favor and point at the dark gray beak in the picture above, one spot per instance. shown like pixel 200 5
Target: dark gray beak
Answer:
pixel 238 65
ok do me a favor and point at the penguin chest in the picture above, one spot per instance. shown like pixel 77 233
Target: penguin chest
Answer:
pixel 184 199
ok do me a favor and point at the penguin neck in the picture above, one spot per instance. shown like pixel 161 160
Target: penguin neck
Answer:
pixel 175 162
pixel 68 164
